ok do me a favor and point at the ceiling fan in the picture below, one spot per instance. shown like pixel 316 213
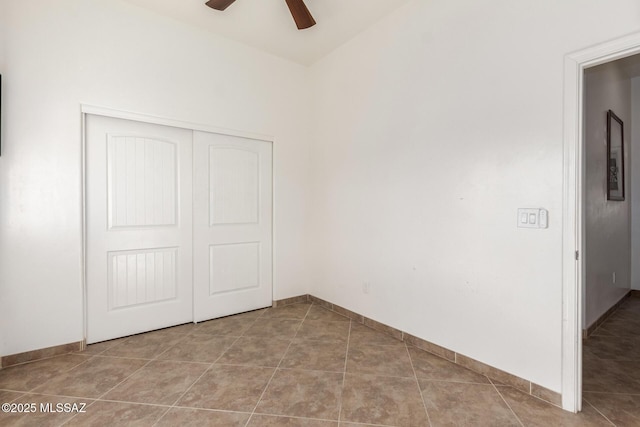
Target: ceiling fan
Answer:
pixel 299 11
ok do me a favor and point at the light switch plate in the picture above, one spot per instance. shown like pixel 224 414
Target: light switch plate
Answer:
pixel 533 218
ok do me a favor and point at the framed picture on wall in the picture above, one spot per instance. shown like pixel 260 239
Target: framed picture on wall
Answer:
pixel 615 157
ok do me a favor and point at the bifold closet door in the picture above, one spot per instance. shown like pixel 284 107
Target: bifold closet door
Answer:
pixel 139 227
pixel 232 228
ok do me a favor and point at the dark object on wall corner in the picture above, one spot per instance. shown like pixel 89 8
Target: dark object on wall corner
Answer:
pixel 615 157
pixel 298 9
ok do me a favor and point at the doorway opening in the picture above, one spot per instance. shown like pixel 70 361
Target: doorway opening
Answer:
pixel 577 198
pixel 612 95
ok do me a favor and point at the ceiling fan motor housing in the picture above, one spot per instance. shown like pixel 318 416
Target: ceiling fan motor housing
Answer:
pixel 298 9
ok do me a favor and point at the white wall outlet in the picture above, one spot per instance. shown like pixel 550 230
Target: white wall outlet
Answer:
pixel 613 278
pixel 366 287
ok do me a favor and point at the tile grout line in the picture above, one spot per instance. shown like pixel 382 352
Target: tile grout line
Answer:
pixel 415 376
pixel 155 358
pixel 597 392
pixel 456 359
pixel 65 371
pixel 598 411
pixel 20 395
pixel 344 373
pixel 506 403
pixel 120 357
pixel 369 425
pixel 606 316
pixel 65 396
pixel 296 417
pixel 305 369
pixel 29 362
pixel 436 380
pixel 226 411
pixel 173 405
pixel 105 393
pixel 532 396
pixel 279 363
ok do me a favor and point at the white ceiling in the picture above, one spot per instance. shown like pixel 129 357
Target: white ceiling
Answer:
pixel 268 26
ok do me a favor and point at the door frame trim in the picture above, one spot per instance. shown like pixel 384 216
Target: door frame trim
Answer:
pixel 88 109
pixel 156 120
pixel 573 230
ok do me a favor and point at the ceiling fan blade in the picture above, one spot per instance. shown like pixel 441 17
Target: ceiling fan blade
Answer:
pixel 301 14
pixel 219 4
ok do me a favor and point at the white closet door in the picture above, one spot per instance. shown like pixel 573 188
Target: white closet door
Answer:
pixel 232 225
pixel 139 227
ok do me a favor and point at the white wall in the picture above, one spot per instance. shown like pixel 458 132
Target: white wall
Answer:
pixel 635 183
pixel 108 53
pixel 607 223
pixel 431 129
pixel 2 49
pixel 2 36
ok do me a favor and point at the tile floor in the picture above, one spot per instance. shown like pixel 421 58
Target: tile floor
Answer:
pixel 302 365
pixel 611 366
